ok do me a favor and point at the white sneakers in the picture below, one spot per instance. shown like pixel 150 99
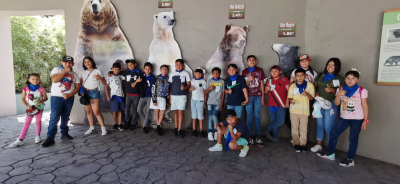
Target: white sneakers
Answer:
pixel 243 152
pixel 91 130
pixel 103 130
pixel 37 139
pixel 17 143
pixel 316 148
pixel 210 136
pixel 216 136
pixel 216 147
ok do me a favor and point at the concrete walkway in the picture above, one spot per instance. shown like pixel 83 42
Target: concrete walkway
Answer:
pixel 135 157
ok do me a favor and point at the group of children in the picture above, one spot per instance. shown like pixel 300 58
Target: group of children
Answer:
pixel 143 89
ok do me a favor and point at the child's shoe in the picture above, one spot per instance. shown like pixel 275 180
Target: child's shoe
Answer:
pixel 297 148
pixel 259 142
pixel 121 127
pixel 244 151
pixel 316 148
pixel 251 141
pixel 324 155
pixel 159 130
pixel 216 136
pixel 216 147
pixel 103 130
pixel 303 149
pixel 175 132
pixel 210 136
pixel 17 143
pixel 48 142
pixel 203 134
pixel 180 134
pixel 347 163
pixel 194 134
pixel 115 127
pixel 37 139
pixel 91 130
pixel 66 137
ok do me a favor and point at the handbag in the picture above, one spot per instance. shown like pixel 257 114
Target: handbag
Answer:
pixel 85 99
pixel 33 111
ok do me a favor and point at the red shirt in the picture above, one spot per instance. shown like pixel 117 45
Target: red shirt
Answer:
pixel 254 87
pixel 280 88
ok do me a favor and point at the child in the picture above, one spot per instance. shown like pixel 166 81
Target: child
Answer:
pixel 146 95
pixel 311 74
pixel 66 84
pixel 277 90
pixel 235 88
pixel 198 102
pixel 180 83
pixel 132 89
pixel 160 96
pixel 114 82
pixel 236 133
pixel 255 85
pixel 354 116
pixel 215 90
pixel 33 96
pixel 300 93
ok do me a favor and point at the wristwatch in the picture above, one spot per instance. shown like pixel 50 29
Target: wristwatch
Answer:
pixel 366 120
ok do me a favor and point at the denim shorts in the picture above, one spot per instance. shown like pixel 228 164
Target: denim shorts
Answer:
pixel 93 94
pixel 178 102
pixel 197 108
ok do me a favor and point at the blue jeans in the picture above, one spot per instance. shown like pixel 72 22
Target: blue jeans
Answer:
pixel 212 118
pixel 254 105
pixel 339 128
pixel 277 119
pixel 327 121
pixel 59 108
pixel 238 110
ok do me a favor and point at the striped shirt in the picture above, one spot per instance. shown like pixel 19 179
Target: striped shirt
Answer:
pixel 301 103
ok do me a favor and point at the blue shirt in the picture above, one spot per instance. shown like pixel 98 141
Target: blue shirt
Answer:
pixel 178 78
pixel 241 127
pixel 237 96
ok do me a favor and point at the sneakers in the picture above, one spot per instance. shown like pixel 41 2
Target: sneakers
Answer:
pixel 203 134
pixel 121 127
pixel 216 147
pixel 316 148
pixel 324 155
pixel 66 137
pixel 37 139
pixel 175 132
pixel 297 148
pixel 115 127
pixel 216 136
pixel 275 140
pixel 91 130
pixel 48 142
pixel 159 131
pixel 269 136
pixel 103 130
pixel 194 134
pixel 180 134
pixel 303 149
pixel 211 136
pixel 251 141
pixel 291 140
pixel 259 142
pixel 243 152
pixel 347 163
pixel 145 130
pixel 16 143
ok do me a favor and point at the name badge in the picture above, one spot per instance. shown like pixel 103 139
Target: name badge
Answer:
pixel 273 87
pixel 296 91
pixel 234 131
pixel 182 79
pixel 148 83
pixel 233 83
pixel 128 78
pixel 336 83
pixel 217 89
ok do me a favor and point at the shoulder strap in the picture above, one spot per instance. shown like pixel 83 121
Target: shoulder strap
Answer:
pixel 87 77
pixel 360 90
pixel 283 78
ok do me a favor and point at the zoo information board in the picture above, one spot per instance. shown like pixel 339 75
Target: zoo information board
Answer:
pixel 165 3
pixel 287 29
pixel 389 59
pixel 236 11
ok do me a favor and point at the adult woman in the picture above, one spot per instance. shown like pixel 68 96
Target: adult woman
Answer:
pixel 91 78
pixel 325 87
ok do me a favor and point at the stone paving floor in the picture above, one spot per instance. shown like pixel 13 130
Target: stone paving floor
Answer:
pixel 135 157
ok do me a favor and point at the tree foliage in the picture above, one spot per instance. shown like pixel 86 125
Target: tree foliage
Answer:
pixel 38 46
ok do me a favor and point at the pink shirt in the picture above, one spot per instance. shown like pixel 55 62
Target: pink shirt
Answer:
pixel 351 108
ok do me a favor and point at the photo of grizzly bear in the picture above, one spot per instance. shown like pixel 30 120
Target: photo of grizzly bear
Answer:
pixel 230 50
pixel 102 39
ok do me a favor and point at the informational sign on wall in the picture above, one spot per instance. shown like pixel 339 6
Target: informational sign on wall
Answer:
pixel 287 29
pixel 165 3
pixel 236 11
pixel 389 59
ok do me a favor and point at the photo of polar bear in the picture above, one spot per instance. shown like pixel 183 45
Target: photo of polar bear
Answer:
pixel 102 39
pixel 164 49
pixel 230 50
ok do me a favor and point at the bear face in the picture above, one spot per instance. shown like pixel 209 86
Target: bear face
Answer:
pixel 98 15
pixel 235 36
pixel 164 20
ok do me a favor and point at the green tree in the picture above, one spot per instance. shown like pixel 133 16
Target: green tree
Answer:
pixel 38 45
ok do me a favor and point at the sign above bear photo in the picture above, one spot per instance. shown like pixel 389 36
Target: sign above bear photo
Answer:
pixel 165 3
pixel 287 29
pixel 236 11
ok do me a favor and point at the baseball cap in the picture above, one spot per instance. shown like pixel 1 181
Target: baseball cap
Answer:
pixel 116 65
pixel 231 113
pixel 67 58
pixel 305 56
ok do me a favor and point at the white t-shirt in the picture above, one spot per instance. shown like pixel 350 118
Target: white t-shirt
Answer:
pixel 91 82
pixel 199 87
pixel 311 75
pixel 66 85
pixel 115 83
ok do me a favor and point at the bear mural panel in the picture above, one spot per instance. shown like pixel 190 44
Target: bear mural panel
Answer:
pixel 288 58
pixel 102 39
pixel 230 50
